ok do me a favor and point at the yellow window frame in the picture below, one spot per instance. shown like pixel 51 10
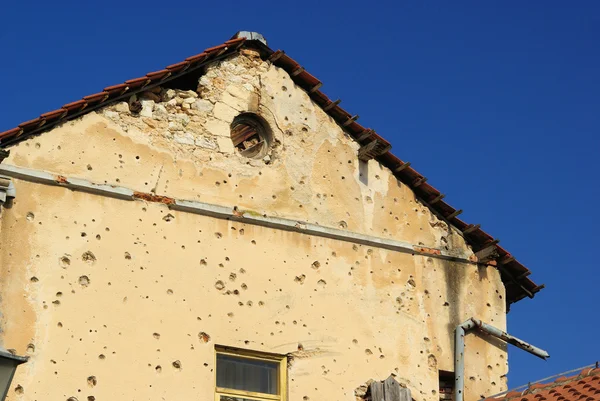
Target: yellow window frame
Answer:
pixel 256 355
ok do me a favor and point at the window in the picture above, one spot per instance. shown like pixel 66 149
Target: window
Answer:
pixel 244 375
pixel 251 135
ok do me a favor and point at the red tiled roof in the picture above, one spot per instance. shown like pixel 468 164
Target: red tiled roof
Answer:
pixel 584 386
pixel 514 274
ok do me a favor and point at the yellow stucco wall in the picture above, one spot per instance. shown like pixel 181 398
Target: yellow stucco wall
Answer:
pixel 152 287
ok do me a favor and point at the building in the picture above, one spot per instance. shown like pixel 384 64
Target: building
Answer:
pixel 222 224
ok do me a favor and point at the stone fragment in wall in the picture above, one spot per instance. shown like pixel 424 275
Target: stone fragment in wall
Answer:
pixel 217 128
pixel 113 115
pixel 184 138
pixel 225 145
pixel 206 143
pixel 187 94
pixel 168 95
pixel 160 112
pixel 175 126
pixel 183 118
pixel 147 107
pixel 202 105
pixel 171 105
pixel 122 107
pixel 189 100
pixel 224 112
pixel 178 101
pixel 185 106
pixel 248 87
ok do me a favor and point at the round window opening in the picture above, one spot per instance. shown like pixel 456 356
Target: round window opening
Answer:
pixel 250 135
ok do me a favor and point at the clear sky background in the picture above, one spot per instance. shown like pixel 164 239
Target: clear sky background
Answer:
pixel 496 102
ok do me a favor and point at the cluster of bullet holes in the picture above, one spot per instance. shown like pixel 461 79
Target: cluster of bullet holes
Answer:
pixel 251 135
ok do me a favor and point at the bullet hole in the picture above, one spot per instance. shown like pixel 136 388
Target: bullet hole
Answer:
pixel 84 281
pixel 489 367
pixel 300 279
pixel 158 369
pixel 88 256
pixel 232 277
pixel 321 283
pixel 432 361
pixel 170 292
pixel 249 303
pixel 91 398
pixel 168 217
pixel 426 339
pixel 84 234
pixel 64 262
pixel 316 264
pixel 343 225
pixel 72 399
pixel 472 378
pixel 156 335
pixel 300 347
pixel 230 314
pixel 30 348
pixel 34 279
pixel 368 352
pixel 244 286
pixel 30 216
pixel 219 285
pixel 446 304
pixel 101 357
pixel 127 256
pixel 253 242
pixel 92 381
pixel 283 88
pixel 412 283
pixel 57 302
pixel 241 231
pixel 355 341
pixel 242 271
pixel 60 324
pixel 203 337
pixel 19 389
pixel 261 303
pixel 203 262
pixel 218 235
pixel 177 365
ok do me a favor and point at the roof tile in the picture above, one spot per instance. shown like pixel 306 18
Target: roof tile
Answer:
pixel 578 387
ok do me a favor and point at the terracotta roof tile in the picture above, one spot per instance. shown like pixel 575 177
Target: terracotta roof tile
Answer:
pixel 513 273
pixel 583 386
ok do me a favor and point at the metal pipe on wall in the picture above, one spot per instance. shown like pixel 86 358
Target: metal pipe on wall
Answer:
pixel 459 349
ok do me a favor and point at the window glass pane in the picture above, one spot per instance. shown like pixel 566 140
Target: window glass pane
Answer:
pixel 247 374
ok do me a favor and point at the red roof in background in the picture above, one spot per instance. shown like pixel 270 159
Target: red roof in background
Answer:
pixel 514 274
pixel 584 386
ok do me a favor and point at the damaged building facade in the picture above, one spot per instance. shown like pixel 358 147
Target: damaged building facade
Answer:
pixel 220 229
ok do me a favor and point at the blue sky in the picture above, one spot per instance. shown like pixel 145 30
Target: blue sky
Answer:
pixel 497 103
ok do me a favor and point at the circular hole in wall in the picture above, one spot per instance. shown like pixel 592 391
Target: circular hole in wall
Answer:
pixel 251 135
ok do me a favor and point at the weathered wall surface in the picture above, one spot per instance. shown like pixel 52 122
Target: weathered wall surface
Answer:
pixel 119 291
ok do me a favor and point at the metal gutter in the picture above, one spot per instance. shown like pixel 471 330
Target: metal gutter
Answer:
pixel 229 213
pixel 459 349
